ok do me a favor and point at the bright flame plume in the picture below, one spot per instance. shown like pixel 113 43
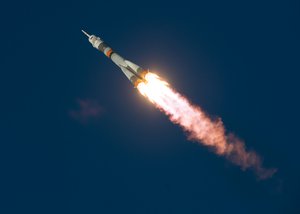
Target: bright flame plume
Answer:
pixel 199 126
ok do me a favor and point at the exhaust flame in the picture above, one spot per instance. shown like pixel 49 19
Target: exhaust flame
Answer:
pixel 199 126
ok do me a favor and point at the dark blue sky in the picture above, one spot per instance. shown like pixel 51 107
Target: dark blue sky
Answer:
pixel 238 60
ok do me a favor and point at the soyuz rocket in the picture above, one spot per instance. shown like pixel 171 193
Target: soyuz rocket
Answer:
pixel 133 72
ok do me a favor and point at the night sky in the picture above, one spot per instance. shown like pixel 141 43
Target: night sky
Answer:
pixel 76 137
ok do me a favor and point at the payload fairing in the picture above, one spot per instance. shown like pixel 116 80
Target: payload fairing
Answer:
pixel 133 72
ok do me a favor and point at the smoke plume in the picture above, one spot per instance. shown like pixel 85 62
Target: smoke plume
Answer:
pixel 87 111
pixel 200 127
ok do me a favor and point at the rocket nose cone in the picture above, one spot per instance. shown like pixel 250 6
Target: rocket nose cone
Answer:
pixel 86 33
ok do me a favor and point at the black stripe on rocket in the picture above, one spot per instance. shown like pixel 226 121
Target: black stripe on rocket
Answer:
pixel 102 47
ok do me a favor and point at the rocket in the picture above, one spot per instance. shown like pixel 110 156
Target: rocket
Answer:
pixel 133 72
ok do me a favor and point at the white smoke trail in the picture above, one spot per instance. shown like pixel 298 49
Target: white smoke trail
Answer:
pixel 199 126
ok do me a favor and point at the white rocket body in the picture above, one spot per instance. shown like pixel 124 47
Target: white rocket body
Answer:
pixel 132 71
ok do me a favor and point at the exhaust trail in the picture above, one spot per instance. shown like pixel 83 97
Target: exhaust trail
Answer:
pixel 199 126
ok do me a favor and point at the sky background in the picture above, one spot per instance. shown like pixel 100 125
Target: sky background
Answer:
pixel 76 137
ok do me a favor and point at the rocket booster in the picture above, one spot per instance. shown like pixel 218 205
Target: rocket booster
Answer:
pixel 132 71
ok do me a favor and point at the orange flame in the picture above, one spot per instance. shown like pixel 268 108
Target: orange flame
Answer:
pixel 199 126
